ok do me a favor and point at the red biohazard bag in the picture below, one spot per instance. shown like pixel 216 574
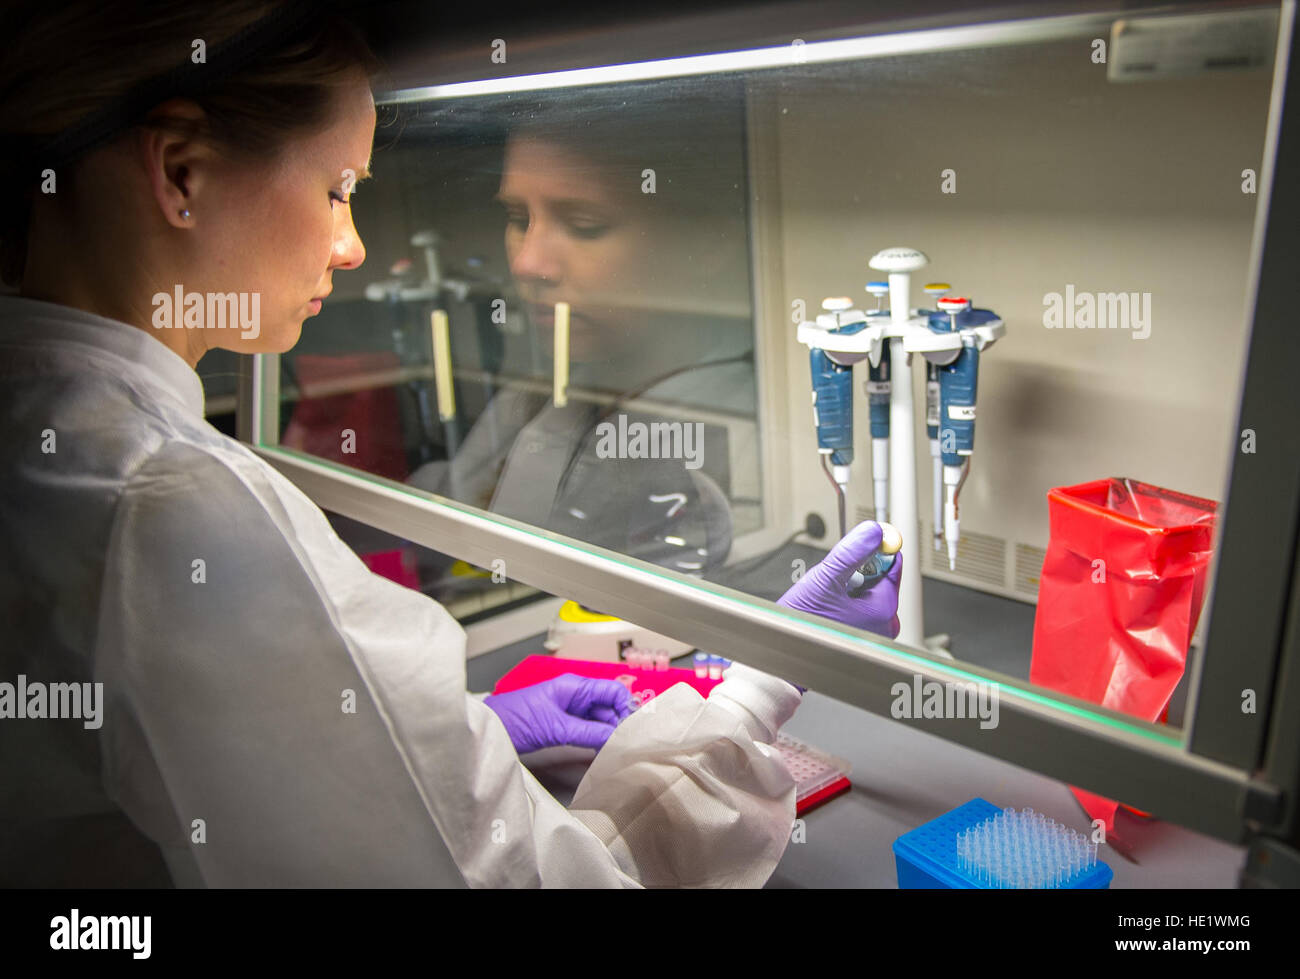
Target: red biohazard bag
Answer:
pixel 1119 597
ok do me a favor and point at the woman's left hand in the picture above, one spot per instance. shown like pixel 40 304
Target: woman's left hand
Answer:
pixel 567 709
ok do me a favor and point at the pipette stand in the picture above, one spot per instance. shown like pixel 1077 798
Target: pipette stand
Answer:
pixel 907 331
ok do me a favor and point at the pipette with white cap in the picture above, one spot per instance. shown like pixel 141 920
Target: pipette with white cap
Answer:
pixel 879 392
pixel 935 289
pixel 832 399
pixel 957 385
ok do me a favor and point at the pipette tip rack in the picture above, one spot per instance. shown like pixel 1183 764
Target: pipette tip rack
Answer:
pixel 979 845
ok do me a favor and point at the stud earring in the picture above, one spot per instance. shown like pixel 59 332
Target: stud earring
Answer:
pixel 185 214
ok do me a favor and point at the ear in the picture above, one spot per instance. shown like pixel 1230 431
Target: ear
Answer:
pixel 178 164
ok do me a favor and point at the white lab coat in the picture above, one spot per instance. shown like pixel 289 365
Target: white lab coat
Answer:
pixel 231 628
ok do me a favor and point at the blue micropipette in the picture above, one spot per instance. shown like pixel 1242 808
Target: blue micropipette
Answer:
pixel 958 381
pixel 935 289
pixel 832 399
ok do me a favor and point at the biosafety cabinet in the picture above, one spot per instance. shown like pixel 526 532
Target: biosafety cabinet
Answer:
pixel 619 336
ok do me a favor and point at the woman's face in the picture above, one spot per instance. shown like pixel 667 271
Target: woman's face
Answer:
pixel 282 232
pixel 574 235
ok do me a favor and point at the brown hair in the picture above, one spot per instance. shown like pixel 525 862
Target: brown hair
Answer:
pixel 66 61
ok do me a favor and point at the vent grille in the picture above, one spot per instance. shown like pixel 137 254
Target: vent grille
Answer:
pixel 864 513
pixel 1029 568
pixel 980 557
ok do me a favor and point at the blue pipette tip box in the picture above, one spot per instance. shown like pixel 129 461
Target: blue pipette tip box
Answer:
pixel 926 857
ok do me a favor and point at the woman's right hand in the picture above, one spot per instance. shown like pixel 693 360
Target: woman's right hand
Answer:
pixel 824 589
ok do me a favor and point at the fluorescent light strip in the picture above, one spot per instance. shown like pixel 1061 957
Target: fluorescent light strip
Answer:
pixel 784 56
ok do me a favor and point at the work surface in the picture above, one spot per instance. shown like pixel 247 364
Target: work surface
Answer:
pixel 903 778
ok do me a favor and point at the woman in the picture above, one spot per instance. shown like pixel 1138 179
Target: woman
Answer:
pixel 266 711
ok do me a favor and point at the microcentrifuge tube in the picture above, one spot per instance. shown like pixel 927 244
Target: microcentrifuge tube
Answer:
pixel 661 659
pixel 715 667
pixel 701 661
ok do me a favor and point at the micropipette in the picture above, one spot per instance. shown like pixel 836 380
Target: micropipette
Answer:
pixel 957 385
pixel 832 399
pixel 878 395
pixel 936 289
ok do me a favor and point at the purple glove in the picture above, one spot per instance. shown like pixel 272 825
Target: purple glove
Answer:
pixel 824 590
pixel 568 709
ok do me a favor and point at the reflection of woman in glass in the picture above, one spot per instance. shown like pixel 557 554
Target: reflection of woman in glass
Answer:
pixel 630 207
pixel 636 219
pixel 628 219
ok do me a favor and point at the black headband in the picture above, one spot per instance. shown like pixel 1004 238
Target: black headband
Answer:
pixel 186 80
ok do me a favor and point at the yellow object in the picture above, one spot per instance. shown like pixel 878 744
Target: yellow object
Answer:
pixel 463 570
pixel 578 633
pixel 561 395
pixel 442 366
pixel 571 611
pixel 891 541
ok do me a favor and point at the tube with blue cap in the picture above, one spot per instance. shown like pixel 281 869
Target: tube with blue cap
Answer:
pixel 891 542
